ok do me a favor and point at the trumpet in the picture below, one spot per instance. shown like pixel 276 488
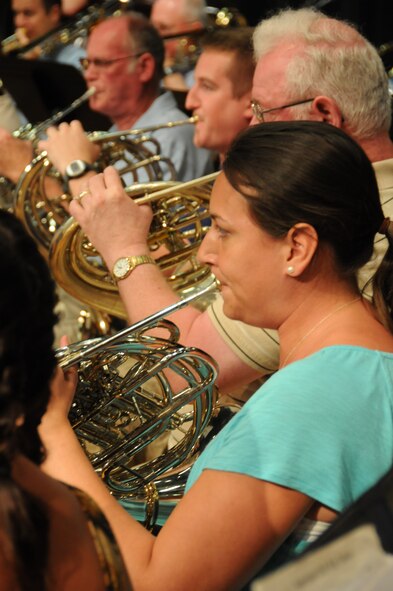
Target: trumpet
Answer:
pixel 133 390
pixel 179 213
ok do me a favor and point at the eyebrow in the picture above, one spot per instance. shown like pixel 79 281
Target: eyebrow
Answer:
pixel 215 217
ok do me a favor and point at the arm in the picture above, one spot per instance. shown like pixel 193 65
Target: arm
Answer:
pixel 220 534
pixel 119 227
pixel 15 155
pixel 66 143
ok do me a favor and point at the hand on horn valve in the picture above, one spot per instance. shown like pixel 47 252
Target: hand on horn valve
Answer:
pixel 113 222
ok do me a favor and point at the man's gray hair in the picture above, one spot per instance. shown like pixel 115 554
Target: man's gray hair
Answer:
pixel 194 10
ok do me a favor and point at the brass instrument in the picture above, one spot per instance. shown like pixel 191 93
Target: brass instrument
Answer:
pixel 178 224
pixel 74 30
pixel 228 16
pixel 134 389
pixel 386 52
pixel 34 133
pixel 188 45
pixel 9 44
pixel 136 154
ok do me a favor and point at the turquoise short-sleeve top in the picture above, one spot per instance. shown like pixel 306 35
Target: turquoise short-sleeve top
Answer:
pixel 322 425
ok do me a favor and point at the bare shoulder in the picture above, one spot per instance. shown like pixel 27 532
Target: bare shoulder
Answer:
pixel 73 561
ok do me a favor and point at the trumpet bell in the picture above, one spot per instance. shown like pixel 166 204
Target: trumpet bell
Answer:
pixel 179 225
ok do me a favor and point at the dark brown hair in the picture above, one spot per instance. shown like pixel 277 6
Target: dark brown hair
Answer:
pixel 27 363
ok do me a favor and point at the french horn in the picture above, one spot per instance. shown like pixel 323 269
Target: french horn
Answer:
pixel 180 217
pixel 34 133
pixel 135 152
pixel 135 389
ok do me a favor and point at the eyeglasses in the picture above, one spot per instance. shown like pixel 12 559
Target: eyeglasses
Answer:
pixel 85 62
pixel 259 112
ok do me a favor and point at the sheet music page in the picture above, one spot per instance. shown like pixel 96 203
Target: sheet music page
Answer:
pixel 354 562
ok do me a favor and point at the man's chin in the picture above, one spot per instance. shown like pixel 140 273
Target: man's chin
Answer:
pixel 99 107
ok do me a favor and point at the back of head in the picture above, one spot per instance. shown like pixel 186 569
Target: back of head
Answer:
pixel 330 57
pixel 194 10
pixel 144 38
pixel 26 366
pixel 185 11
pixel 303 171
pixel 238 42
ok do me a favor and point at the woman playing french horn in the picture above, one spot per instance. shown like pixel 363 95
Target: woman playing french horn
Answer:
pixel 294 215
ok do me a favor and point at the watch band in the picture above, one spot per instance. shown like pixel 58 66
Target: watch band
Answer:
pixel 133 262
pixel 66 178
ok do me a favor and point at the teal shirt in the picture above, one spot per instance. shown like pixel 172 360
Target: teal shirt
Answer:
pixel 322 426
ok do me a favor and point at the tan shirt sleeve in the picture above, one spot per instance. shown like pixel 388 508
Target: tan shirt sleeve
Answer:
pixel 384 175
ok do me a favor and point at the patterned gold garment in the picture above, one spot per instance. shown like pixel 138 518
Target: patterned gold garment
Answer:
pixel 110 558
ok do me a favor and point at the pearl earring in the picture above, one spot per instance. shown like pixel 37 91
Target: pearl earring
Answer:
pixel 290 270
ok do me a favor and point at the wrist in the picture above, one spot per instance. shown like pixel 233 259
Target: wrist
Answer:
pixel 76 170
pixel 138 249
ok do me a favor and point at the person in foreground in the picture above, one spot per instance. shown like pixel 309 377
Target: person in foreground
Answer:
pixel 51 536
pixel 295 212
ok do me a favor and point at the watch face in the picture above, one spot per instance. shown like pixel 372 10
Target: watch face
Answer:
pixel 76 168
pixel 121 267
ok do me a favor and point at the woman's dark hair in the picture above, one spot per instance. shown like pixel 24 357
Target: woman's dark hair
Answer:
pixel 312 172
pixel 27 363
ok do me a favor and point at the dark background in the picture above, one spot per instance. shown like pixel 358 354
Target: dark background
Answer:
pixel 374 19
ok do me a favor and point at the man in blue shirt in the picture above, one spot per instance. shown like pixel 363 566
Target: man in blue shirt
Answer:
pixel 125 66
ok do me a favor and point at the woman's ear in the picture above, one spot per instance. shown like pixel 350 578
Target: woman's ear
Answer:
pixel 301 244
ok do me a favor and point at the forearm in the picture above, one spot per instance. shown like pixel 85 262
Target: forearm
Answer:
pixel 147 291
pixel 67 462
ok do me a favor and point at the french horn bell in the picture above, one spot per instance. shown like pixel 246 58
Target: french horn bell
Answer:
pixel 180 221
pixel 135 390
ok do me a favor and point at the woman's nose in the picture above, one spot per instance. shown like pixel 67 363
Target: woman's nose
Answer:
pixel 207 251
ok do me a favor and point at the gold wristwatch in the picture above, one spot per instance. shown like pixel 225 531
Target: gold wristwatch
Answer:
pixel 125 265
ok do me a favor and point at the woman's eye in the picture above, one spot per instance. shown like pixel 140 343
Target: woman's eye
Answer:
pixel 221 231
